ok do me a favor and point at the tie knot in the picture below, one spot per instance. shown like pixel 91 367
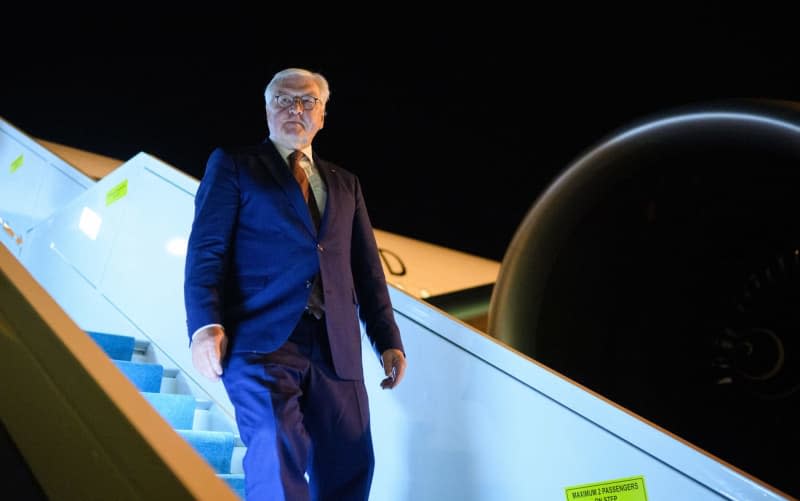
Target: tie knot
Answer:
pixel 295 158
pixel 296 165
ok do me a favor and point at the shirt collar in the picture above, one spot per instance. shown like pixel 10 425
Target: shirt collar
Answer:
pixel 285 152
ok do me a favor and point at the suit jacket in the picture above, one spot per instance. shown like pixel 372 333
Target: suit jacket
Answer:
pixel 253 254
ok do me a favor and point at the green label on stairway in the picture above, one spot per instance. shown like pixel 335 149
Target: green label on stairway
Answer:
pixel 17 163
pixel 117 192
pixel 623 489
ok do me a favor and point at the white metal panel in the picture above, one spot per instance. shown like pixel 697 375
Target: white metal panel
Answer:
pixel 130 271
pixel 33 184
pixel 145 271
pixel 475 420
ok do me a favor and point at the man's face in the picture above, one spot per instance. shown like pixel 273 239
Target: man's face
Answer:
pixel 293 126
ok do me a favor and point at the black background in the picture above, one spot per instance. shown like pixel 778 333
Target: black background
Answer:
pixel 454 121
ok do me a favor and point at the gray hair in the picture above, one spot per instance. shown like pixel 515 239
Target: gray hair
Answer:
pixel 324 89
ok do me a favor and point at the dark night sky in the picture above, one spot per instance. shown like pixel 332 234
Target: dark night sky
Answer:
pixel 454 124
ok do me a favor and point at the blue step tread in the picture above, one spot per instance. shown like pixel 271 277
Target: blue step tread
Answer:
pixel 146 377
pixel 235 481
pixel 176 409
pixel 215 446
pixel 116 346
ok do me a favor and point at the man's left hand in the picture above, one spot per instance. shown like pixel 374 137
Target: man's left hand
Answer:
pixel 394 365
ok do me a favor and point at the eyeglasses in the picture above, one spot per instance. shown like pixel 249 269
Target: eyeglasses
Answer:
pixel 285 101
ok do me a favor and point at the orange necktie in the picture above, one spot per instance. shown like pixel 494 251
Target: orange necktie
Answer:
pixel 315 302
pixel 299 174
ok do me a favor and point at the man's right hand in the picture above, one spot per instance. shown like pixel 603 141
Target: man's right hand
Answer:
pixel 208 349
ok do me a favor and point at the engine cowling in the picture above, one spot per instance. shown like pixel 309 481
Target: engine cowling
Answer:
pixel 661 269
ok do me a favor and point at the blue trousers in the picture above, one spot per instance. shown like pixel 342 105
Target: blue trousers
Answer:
pixel 296 417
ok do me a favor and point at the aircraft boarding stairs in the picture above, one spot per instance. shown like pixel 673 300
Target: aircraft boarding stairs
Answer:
pixel 37 185
pixel 106 404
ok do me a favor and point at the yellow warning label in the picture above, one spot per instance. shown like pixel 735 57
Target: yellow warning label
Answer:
pixel 117 192
pixel 17 163
pixel 624 489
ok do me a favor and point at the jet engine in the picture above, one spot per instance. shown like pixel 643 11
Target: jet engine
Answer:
pixel 661 270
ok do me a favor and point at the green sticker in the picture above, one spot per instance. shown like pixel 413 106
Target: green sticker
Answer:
pixel 17 163
pixel 117 192
pixel 624 489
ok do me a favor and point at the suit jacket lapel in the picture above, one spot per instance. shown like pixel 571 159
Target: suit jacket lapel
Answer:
pixel 278 169
pixel 331 180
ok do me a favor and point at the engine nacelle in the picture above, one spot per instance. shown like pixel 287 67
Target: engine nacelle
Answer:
pixel 662 270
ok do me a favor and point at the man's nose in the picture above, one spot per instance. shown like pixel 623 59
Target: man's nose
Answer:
pixel 297 106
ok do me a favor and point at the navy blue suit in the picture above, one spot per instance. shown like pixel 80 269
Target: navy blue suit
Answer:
pixel 252 256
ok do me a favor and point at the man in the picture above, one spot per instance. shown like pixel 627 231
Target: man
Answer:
pixel 281 263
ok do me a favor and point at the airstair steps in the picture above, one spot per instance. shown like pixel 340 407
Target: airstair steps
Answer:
pixel 177 409
pixel 146 377
pixel 188 415
pixel 215 446
pixel 117 347
pixel 235 481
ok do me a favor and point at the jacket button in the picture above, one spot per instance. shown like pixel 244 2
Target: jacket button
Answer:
pixel 319 247
pixel 308 284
